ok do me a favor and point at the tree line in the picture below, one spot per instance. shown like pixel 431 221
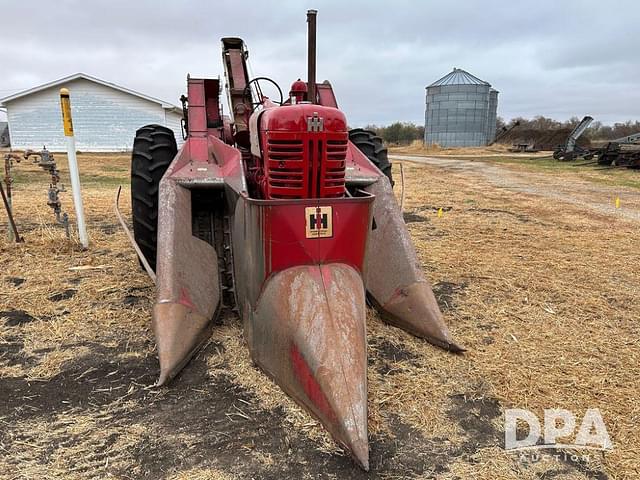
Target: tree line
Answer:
pixel 403 133
pixel 399 133
pixel 596 131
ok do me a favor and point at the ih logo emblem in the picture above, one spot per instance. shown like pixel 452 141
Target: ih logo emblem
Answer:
pixel 315 123
pixel 319 222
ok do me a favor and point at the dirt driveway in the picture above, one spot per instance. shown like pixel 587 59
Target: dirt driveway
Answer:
pixel 560 188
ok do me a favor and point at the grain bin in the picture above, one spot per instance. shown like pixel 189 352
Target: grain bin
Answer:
pixel 460 111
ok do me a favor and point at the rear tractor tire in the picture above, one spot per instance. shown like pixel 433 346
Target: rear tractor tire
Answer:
pixel 154 148
pixel 372 146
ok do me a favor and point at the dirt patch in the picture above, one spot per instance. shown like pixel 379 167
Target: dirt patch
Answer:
pixel 13 318
pixel 408 453
pixel 109 228
pixel 556 473
pixel 435 208
pixel 393 352
pixel 140 290
pixel 136 296
pixel 391 358
pixel 15 281
pixel 198 421
pixel 92 380
pixel 236 434
pixel 410 217
pixel 498 211
pixel 487 340
pixel 476 416
pixel 64 295
pixel 12 354
pixel 583 467
pixel 131 300
pixel 447 293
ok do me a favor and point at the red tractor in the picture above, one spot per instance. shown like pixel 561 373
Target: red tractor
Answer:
pixel 282 214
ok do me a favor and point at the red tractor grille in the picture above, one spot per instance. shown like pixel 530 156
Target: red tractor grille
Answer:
pixel 312 166
pixel 285 168
pixel 333 168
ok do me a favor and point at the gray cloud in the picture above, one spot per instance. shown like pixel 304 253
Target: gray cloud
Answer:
pixel 553 58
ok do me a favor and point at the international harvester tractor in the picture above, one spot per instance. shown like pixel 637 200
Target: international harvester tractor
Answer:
pixel 281 214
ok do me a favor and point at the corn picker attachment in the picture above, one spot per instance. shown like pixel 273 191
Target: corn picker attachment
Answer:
pixel 621 152
pixel 284 216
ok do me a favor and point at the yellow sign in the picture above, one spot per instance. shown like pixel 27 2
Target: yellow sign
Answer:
pixel 319 222
pixel 65 105
pixel 617 202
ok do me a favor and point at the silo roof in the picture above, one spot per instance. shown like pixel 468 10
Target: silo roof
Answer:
pixel 459 77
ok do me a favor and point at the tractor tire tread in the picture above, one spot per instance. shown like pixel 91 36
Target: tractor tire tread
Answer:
pixel 142 154
pixel 146 177
pixel 154 148
pixel 372 147
pixel 157 146
pixel 146 225
pixel 143 199
pixel 157 165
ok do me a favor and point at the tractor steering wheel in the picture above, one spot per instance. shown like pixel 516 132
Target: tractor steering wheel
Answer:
pixel 248 92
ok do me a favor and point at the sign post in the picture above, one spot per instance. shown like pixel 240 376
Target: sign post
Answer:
pixel 8 180
pixel 65 105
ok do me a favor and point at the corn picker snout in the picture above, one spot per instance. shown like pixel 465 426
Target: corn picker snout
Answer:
pixel 283 215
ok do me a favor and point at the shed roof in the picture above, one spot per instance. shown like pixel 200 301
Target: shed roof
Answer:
pixel 458 77
pixel 77 76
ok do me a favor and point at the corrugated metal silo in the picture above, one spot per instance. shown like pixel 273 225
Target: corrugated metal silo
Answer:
pixel 460 111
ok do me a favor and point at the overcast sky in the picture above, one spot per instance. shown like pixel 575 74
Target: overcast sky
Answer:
pixel 555 58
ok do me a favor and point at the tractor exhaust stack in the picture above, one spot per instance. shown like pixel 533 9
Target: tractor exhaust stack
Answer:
pixel 311 54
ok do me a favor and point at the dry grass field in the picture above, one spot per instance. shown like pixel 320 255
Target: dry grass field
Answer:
pixel 542 291
pixel 417 147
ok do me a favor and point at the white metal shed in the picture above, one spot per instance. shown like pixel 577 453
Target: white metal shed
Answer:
pixel 105 115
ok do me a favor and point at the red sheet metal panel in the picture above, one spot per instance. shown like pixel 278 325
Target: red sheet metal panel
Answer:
pixel 304 148
pixel 197 109
pixel 290 238
pixel 271 235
